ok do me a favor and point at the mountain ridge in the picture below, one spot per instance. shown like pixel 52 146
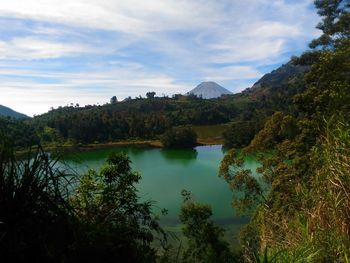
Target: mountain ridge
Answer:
pixel 8 112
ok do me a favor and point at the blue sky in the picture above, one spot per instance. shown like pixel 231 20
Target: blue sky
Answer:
pixel 57 52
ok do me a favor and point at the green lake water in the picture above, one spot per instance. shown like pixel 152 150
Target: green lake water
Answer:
pixel 166 172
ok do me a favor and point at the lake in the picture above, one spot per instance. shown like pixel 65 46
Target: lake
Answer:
pixel 166 172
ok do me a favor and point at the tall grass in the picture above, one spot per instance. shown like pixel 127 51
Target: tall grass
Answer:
pixel 34 212
pixel 320 230
pixel 328 216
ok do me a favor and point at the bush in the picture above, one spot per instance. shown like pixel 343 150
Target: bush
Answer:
pixel 43 219
pixel 205 239
pixel 184 137
pixel 239 134
pixel 114 225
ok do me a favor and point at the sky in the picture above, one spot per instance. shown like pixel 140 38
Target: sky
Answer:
pixel 57 52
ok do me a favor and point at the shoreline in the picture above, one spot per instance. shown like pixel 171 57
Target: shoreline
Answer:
pixel 124 143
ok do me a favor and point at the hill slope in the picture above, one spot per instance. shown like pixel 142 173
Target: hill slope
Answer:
pixel 277 88
pixel 286 74
pixel 209 90
pixel 7 112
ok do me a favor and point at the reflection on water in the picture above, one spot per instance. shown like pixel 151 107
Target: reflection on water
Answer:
pixel 166 172
pixel 182 156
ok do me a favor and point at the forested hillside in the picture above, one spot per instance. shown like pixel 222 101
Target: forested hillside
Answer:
pixel 7 112
pixel 300 203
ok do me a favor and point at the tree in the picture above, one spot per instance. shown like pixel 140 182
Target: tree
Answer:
pixel 277 128
pixel 247 190
pixel 335 24
pixel 114 100
pixel 150 95
pixel 205 240
pixel 309 156
pixel 239 134
pixel 116 226
pixel 179 137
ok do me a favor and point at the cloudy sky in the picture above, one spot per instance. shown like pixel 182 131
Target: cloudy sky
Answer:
pixel 57 52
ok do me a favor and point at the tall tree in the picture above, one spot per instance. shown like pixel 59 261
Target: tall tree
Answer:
pixel 113 100
pixel 150 95
pixel 335 24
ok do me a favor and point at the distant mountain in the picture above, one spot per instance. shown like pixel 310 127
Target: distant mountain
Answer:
pixel 7 112
pixel 209 90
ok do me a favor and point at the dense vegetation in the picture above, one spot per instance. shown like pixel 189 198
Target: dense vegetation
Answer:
pixel 184 137
pixel 205 240
pixel 35 215
pixel 21 132
pixel 50 215
pixel 304 214
pixel 136 118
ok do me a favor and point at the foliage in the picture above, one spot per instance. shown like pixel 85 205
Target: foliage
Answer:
pixel 205 240
pixel 184 137
pixel 328 90
pixel 115 225
pixel 305 216
pixel 239 134
pixel 335 23
pixel 20 131
pixel 35 217
pixel 327 212
pixel 246 188
pixel 148 118
pixel 47 216
pixel 150 94
pixel 278 128
pixel 272 93
pixel 132 118
pixel 113 100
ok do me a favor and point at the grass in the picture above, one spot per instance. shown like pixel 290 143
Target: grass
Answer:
pixel 34 213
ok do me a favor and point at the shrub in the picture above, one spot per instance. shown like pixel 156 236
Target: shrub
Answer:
pixel 184 137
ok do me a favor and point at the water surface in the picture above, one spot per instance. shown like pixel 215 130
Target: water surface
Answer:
pixel 166 172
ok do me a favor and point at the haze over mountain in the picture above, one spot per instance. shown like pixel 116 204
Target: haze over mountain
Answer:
pixel 209 90
pixel 7 112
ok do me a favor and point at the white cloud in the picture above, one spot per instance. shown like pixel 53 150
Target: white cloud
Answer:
pixel 84 88
pixel 248 30
pixel 32 48
pixel 130 47
pixel 132 16
pixel 231 73
pixel 243 51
